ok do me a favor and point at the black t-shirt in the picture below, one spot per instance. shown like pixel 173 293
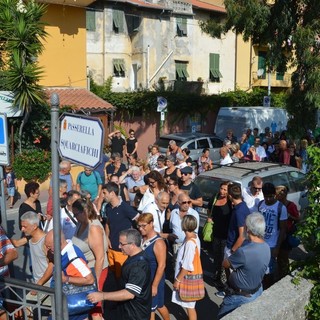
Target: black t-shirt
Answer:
pixel 136 278
pixel 131 145
pixel 24 207
pixel 117 145
pixel 193 191
pixel 221 216
pixel 111 169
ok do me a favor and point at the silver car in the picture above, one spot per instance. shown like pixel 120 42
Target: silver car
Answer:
pixel 242 173
pixel 195 142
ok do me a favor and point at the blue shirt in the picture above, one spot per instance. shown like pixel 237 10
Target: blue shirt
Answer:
pixel 238 219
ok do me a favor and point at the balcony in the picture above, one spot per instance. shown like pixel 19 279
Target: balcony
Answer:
pixel 262 81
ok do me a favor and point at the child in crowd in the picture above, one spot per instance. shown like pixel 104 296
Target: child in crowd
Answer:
pixel 11 184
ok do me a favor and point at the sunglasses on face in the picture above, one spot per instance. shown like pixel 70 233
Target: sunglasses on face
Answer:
pixel 185 202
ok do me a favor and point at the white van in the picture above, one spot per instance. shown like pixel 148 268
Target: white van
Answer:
pixel 239 119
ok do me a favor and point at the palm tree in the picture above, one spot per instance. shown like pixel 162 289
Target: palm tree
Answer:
pixel 21 36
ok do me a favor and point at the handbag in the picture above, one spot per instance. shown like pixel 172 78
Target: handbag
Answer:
pixel 207 232
pixel 192 285
pixel 77 296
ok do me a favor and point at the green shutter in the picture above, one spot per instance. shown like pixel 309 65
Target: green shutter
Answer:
pixel 179 69
pixel 262 63
pixel 118 20
pixel 119 65
pixel 280 76
pixel 184 70
pixel 215 65
pixel 91 20
pixel 182 26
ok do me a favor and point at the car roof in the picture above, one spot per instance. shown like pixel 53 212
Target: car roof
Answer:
pixel 182 136
pixel 238 171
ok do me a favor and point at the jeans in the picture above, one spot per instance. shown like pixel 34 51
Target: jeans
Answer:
pixel 234 301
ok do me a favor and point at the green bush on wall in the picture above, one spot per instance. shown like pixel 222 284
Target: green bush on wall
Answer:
pixel 32 165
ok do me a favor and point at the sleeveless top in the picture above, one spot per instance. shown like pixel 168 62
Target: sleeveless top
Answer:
pixel 39 260
pixel 81 241
pixel 171 175
pixel 148 246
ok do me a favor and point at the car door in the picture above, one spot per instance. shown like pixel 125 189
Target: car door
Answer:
pixel 216 144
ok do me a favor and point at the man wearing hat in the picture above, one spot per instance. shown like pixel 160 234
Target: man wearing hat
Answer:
pixel 189 187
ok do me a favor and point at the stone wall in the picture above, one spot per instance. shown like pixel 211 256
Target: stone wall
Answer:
pixel 283 300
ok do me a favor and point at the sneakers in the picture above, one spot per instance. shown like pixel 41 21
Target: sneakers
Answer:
pixel 220 294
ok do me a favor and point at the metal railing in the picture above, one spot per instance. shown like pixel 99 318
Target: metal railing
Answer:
pixel 14 295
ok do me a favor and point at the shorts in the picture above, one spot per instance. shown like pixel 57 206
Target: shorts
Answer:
pixel 11 191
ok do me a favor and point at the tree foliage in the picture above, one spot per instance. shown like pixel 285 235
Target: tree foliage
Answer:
pixel 310 233
pixel 21 35
pixel 291 31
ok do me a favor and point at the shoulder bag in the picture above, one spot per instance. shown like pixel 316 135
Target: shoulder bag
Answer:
pixel 77 296
pixel 192 285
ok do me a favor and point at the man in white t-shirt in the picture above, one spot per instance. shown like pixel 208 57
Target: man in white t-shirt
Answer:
pixel 252 195
pixel 275 215
pixel 158 209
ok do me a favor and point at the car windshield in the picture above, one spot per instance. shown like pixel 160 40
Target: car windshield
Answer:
pixel 164 142
pixel 208 186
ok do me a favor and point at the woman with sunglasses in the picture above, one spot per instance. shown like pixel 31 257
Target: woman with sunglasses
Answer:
pixel 131 145
pixel 172 171
pixel 154 184
pixel 219 212
pixel 156 251
pixel 90 237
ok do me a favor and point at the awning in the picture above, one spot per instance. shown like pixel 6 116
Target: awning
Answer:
pixel 6 100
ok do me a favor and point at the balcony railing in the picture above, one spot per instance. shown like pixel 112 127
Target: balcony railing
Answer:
pixel 275 82
pixel 14 295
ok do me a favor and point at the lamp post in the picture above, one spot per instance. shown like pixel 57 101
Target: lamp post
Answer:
pixel 54 101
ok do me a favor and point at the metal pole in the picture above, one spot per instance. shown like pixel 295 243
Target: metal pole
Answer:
pixel 54 100
pixel 3 201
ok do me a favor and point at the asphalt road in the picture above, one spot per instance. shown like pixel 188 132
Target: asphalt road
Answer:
pixel 206 308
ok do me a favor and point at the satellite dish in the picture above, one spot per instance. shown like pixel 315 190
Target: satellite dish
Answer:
pixel 260 72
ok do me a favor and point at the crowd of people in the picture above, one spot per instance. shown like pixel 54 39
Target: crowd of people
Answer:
pixel 122 221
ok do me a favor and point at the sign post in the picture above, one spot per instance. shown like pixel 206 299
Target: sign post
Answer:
pixel 4 161
pixel 81 139
pixel 162 105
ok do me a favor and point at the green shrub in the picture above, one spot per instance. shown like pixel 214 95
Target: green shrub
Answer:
pixel 32 165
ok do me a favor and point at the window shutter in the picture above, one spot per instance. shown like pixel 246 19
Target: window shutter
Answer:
pixel 90 20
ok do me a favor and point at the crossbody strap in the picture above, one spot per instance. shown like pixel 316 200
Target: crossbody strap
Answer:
pixel 70 216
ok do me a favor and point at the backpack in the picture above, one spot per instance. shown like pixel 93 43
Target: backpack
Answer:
pixel 94 173
pixel 279 210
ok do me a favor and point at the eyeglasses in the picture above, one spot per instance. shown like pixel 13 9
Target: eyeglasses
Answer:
pixel 124 244
pixel 257 188
pixel 143 226
pixel 185 202
pixel 184 174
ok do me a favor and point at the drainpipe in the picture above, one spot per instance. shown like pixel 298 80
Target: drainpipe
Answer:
pixel 161 65
pixel 148 65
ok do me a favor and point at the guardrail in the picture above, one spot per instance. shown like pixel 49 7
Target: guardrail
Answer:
pixel 14 297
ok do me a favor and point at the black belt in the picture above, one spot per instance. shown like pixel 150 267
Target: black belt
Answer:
pixel 245 293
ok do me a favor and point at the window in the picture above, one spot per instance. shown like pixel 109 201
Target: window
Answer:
pixel 280 76
pixel 181 71
pixel 181 27
pixel 133 23
pixel 203 143
pixel 215 73
pixel 91 20
pixel 262 64
pixel 191 145
pixel 118 68
pixel 216 143
pixel 118 25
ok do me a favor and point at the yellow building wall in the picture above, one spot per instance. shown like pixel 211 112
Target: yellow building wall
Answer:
pixel 244 61
pixel 64 55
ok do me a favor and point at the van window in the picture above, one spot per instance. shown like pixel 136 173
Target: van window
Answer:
pixel 203 143
pixel 208 187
